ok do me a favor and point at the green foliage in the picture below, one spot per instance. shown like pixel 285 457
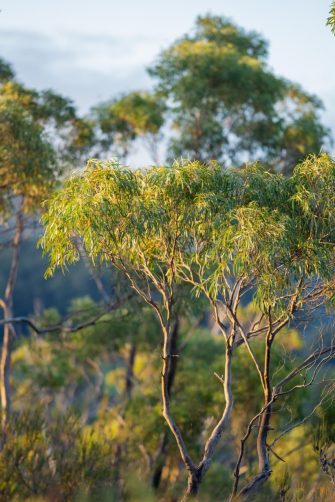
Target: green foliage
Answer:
pixel 201 226
pixel 55 460
pixel 27 160
pixel 6 71
pixel 56 370
pixel 226 104
pixel 40 132
pixel 47 366
pixel 121 121
pixel 190 228
pixel 331 18
pixel 212 223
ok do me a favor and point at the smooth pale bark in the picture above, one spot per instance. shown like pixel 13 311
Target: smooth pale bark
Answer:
pixel 264 470
pixel 164 443
pixel 195 472
pixel 166 356
pixel 5 364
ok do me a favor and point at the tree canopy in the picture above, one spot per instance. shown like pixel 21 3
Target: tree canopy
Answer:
pixel 144 218
pixel 123 120
pixel 225 103
pixel 220 232
pixel 40 133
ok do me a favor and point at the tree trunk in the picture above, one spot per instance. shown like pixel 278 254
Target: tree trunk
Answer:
pixel 5 364
pixel 193 485
pixel 161 455
pixel 218 430
pixel 9 332
pixel 130 371
pixel 159 462
pixel 262 450
pixel 264 470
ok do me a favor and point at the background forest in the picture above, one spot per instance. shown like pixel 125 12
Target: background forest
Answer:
pixel 168 331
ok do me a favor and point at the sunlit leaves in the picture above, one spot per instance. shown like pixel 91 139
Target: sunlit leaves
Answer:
pixel 27 161
pixel 199 223
pixel 40 132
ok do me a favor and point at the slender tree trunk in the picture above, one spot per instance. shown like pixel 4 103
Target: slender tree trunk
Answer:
pixel 174 359
pixel 217 432
pixel 117 475
pixel 264 470
pixel 5 364
pixel 9 332
pixel 121 449
pixel 262 450
pixel 130 371
pixel 159 462
pixel 161 454
pixel 263 454
pixel 195 472
pixel 193 485
pixel 166 357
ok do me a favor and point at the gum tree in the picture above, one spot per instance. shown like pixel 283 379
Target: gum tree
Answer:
pixel 215 97
pixel 223 234
pixel 40 134
pixel 225 103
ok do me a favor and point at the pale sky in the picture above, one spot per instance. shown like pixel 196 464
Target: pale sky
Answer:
pixel 91 50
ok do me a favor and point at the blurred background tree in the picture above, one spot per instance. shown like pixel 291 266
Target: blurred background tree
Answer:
pixel 226 104
pixel 40 133
pixel 120 122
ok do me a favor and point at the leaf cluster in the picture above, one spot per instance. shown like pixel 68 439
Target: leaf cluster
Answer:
pixel 200 224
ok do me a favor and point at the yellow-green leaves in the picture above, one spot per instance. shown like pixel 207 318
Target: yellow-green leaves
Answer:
pixel 39 133
pixel 199 224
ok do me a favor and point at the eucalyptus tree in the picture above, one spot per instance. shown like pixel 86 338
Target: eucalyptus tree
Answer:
pixel 118 123
pixel 225 103
pixel 216 97
pixel 27 164
pixel 223 233
pixel 40 133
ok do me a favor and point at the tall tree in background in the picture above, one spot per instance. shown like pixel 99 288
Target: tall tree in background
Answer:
pixel 40 134
pixel 226 104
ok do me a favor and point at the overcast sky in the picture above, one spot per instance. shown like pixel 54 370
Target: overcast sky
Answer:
pixel 91 50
